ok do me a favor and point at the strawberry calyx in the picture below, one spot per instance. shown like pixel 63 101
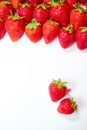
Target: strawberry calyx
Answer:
pixel 52 21
pixel 44 6
pixel 33 24
pixel 59 83
pixel 79 8
pixel 73 104
pixel 56 2
pixel 69 28
pixel 25 5
pixel 14 17
pixel 83 29
pixel 62 1
pixel 5 2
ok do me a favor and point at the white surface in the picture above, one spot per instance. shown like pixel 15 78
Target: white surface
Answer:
pixel 26 69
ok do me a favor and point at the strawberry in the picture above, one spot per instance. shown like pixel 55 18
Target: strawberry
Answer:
pixel 47 2
pixel 83 1
pixel 26 10
pixel 15 27
pixel 50 31
pixel 57 90
pixel 66 36
pixel 59 11
pixel 78 17
pixel 81 38
pixel 2 28
pixel 5 8
pixel 33 2
pixel 71 2
pixel 33 31
pixel 67 106
pixel 86 4
pixel 41 13
pixel 15 3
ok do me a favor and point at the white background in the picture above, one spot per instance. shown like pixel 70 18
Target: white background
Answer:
pixel 26 69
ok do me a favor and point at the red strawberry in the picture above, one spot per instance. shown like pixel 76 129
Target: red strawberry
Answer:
pixel 33 2
pixel 33 31
pixel 5 8
pixel 41 13
pixel 2 28
pixel 15 27
pixel 50 31
pixel 66 36
pixel 57 90
pixel 60 12
pixel 15 3
pixel 86 4
pixel 47 2
pixel 83 1
pixel 67 106
pixel 26 10
pixel 81 38
pixel 71 2
pixel 78 17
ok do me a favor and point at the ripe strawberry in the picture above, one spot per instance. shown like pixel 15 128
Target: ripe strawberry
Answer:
pixel 33 31
pixel 41 13
pixel 67 106
pixel 15 27
pixel 33 2
pixel 66 36
pixel 5 8
pixel 57 90
pixel 83 1
pixel 81 38
pixel 59 11
pixel 2 28
pixel 71 3
pixel 26 10
pixel 15 3
pixel 47 2
pixel 78 17
pixel 86 4
pixel 50 31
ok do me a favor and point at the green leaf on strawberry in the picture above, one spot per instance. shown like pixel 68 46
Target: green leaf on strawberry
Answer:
pixel 69 28
pixel 59 83
pixel 5 2
pixel 33 24
pixel 44 6
pixel 78 7
pixel 25 4
pixel 84 29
